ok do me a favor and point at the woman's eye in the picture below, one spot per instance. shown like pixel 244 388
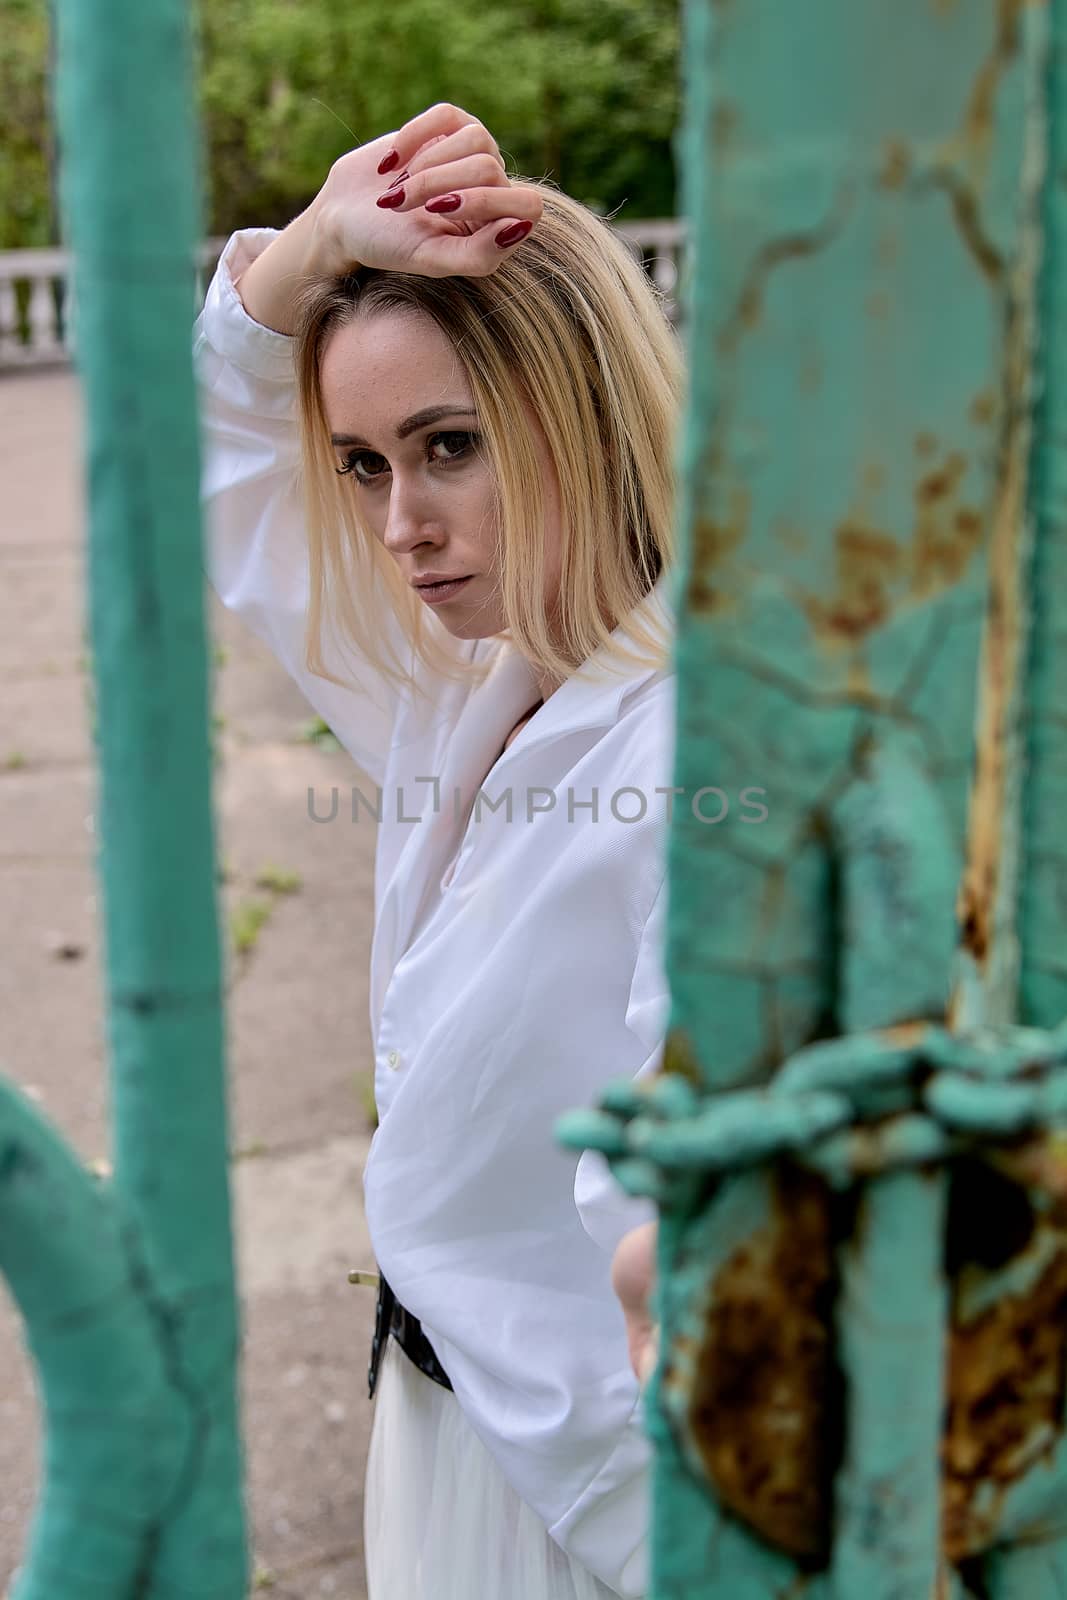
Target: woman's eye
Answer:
pixel 353 462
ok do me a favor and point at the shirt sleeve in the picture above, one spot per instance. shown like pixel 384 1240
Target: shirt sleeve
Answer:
pixel 606 1210
pixel 255 545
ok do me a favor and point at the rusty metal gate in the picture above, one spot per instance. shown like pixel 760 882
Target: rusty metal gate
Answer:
pixel 862 1253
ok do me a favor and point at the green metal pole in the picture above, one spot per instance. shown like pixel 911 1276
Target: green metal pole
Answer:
pixel 862 1272
pixel 861 180
pixel 131 170
pixel 128 1290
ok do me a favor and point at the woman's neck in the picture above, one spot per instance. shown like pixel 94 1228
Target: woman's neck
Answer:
pixel 523 720
pixel 546 686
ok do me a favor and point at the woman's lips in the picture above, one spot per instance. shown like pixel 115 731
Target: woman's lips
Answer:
pixel 432 592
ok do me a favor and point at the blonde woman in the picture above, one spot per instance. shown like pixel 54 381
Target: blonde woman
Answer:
pixel 439 415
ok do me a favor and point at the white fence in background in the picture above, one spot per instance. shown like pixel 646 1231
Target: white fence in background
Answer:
pixel 660 248
pixel 38 312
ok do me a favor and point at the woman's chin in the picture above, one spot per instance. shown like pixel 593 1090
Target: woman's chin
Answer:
pixel 459 629
pixel 475 623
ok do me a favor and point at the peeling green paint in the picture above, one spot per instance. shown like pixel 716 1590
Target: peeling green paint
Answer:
pixel 863 1224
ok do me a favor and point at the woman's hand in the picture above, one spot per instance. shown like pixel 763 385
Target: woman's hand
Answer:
pixel 633 1277
pixel 442 154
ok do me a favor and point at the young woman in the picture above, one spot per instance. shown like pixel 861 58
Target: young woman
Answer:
pixel 439 416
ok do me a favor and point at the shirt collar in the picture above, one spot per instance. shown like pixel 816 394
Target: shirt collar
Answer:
pixel 593 694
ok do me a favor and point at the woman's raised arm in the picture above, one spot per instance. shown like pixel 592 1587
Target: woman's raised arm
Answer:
pixel 372 211
pixel 255 541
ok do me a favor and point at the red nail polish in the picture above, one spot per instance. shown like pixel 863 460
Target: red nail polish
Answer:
pixel 399 179
pixel 391 199
pixel 444 202
pixel 512 235
pixel 387 163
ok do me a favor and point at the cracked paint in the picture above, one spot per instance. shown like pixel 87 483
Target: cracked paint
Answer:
pixel 775 253
pixel 862 326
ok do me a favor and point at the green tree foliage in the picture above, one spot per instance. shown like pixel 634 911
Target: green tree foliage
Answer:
pixel 583 92
pixel 26 159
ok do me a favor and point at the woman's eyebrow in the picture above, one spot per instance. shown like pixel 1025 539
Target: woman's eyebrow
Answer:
pixel 420 419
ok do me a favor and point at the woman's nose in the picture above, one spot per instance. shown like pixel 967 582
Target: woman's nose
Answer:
pixel 409 520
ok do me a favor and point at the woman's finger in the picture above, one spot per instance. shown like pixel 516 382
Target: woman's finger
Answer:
pixel 648 1356
pixel 470 140
pixel 474 255
pixel 438 120
pixel 633 1268
pixel 446 159
pixel 477 181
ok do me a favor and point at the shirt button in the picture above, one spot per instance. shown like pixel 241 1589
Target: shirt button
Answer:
pixel 393 1059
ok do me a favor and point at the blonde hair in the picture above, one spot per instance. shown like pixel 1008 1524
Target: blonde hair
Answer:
pixel 571 321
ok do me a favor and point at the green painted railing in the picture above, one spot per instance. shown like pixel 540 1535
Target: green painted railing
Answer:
pixel 862 1258
pixel 127 1286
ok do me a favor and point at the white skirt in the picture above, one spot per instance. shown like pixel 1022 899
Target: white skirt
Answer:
pixel 440 1521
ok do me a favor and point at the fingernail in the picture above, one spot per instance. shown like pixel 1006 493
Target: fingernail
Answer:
pixel 512 235
pixel 391 199
pixel 399 179
pixel 387 163
pixel 444 202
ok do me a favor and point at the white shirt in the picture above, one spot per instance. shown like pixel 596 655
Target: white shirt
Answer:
pixel 506 988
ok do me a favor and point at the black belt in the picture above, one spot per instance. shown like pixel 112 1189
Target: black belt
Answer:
pixel 392 1318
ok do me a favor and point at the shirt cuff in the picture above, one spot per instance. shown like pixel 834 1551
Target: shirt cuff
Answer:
pixel 225 323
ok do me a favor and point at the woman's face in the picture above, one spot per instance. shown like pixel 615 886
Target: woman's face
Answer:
pixel 402 420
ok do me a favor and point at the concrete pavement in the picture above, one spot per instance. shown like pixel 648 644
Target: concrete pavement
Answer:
pixel 299 1042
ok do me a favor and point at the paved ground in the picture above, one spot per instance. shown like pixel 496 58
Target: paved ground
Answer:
pixel 299 1038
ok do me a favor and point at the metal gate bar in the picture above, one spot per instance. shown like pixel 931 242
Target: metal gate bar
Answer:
pixel 127 1287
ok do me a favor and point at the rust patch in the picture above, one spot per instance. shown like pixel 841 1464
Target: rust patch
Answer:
pixel 702 594
pixel 967 216
pixel 867 561
pixel 946 534
pixel 936 485
pixel 873 571
pixel 974 910
pixel 1002 661
pixel 980 109
pixel 860 547
pixel 765 1408
pixel 1006 1386
pixel 984 408
pixel 1039 1162
pixel 680 1057
pixel 896 164
pixel 712 544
